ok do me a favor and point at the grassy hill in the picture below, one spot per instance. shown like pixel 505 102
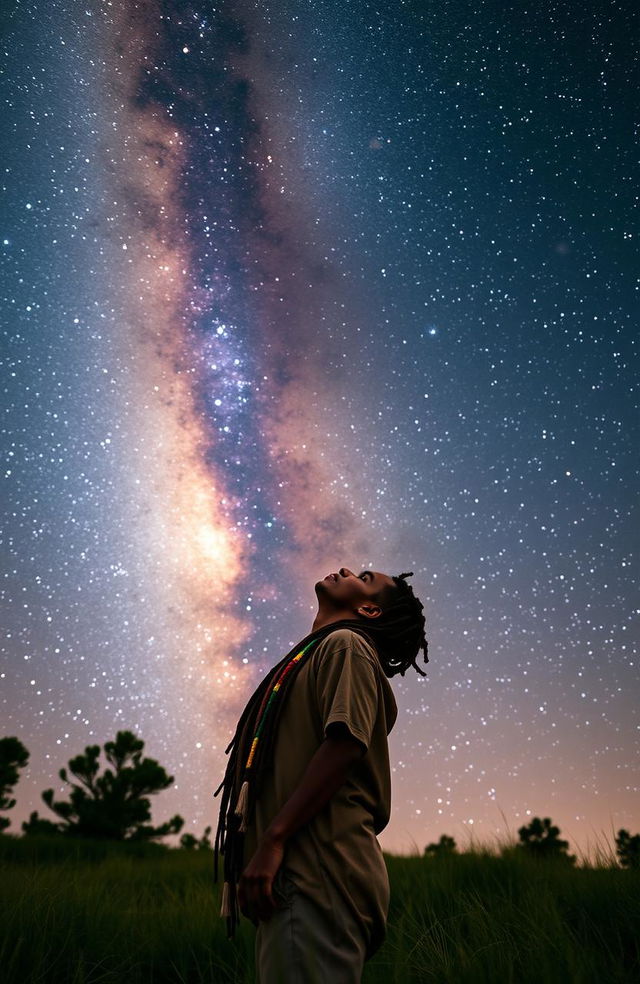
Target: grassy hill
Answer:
pixel 92 913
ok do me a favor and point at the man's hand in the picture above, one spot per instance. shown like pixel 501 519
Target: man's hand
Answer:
pixel 324 775
pixel 255 886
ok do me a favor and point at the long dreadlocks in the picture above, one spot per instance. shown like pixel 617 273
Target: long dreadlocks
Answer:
pixel 398 637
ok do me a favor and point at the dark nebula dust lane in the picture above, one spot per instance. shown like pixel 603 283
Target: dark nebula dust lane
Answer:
pixel 291 286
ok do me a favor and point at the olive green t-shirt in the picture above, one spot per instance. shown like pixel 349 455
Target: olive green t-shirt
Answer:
pixel 342 682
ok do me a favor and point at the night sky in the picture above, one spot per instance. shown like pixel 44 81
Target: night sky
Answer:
pixel 294 285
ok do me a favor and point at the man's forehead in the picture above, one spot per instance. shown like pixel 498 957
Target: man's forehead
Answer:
pixel 387 579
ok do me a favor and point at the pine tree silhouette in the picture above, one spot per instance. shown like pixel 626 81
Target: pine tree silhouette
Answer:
pixel 13 757
pixel 113 806
pixel 628 849
pixel 541 839
pixel 445 847
pixel 191 843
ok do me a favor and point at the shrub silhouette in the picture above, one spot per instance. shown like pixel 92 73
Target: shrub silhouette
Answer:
pixel 445 847
pixel 541 839
pixel 628 849
pixel 113 806
pixel 13 756
pixel 191 843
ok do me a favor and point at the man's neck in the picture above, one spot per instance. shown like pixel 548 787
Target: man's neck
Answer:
pixel 323 619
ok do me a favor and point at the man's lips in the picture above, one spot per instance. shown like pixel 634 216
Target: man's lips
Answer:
pixel 334 577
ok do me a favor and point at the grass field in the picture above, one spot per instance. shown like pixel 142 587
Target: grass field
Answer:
pixel 89 913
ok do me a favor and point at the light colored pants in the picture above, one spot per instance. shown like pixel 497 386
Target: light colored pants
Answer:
pixel 301 945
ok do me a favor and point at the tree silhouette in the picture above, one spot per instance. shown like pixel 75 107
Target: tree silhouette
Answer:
pixel 628 849
pixel 113 806
pixel 40 825
pixel 13 756
pixel 445 847
pixel 191 843
pixel 541 839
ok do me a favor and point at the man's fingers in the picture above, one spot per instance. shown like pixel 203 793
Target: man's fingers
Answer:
pixel 268 905
pixel 264 901
pixel 256 898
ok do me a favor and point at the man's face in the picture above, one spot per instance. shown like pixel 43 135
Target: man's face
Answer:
pixel 344 590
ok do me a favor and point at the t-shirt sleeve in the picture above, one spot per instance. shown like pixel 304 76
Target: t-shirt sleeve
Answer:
pixel 347 688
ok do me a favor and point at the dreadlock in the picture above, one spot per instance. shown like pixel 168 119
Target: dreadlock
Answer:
pixel 397 635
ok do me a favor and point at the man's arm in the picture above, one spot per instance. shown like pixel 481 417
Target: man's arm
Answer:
pixel 325 774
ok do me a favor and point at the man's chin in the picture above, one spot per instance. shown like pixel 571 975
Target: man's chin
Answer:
pixel 324 587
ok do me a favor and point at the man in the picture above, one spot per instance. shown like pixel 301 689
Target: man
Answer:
pixel 308 785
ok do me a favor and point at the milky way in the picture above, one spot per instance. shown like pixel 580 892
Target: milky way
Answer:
pixel 291 286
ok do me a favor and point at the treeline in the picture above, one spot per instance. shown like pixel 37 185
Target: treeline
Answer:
pixel 115 806
pixel 541 839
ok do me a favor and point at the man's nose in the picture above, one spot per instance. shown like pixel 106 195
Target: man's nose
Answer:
pixel 345 572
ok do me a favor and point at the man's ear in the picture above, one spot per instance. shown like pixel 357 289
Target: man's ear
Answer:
pixel 370 610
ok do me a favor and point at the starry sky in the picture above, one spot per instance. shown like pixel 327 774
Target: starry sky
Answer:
pixel 294 285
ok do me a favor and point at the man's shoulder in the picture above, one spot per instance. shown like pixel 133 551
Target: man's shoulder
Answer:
pixel 345 638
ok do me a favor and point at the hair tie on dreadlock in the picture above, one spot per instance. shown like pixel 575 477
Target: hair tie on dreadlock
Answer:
pixel 225 908
pixel 242 806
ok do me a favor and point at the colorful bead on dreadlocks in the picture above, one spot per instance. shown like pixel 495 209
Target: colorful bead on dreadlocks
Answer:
pixel 263 713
